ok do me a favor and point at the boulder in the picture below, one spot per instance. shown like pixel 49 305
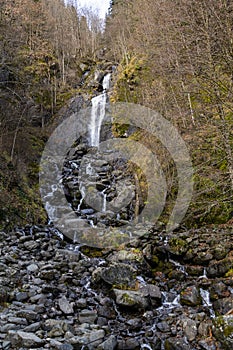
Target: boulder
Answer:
pixel 190 296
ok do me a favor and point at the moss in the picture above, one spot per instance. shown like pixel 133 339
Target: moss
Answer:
pixel 229 273
pixel 127 299
pixel 92 252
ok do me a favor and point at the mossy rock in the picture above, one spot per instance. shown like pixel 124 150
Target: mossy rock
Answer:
pixel 177 246
pixel 223 330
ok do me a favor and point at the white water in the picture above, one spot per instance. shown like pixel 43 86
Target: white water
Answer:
pixel 206 301
pixel 170 304
pixel 179 266
pixel 146 346
pixel 204 273
pixel 98 112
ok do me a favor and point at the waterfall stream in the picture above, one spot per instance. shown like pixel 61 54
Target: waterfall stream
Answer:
pixel 98 112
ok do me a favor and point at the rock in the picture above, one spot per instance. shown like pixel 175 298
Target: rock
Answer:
pixel 127 255
pixel 18 320
pixel 222 306
pixel 190 296
pixel 28 314
pixel 207 344
pixel 6 345
pixel 163 327
pixel 4 294
pixel 65 347
pixel 31 245
pixel 219 290
pixel 130 298
pixel 87 316
pixel 223 330
pixel 21 296
pixel 134 324
pixel 153 292
pixel 190 329
pixel 128 344
pixel 32 327
pixel 109 344
pixel 176 344
pixel 177 246
pixel 24 339
pixel 65 306
pixel 32 268
pixel 93 338
pixel 219 268
pixel 204 328
pixel 115 274
pixel 50 324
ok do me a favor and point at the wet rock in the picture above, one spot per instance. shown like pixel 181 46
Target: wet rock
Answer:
pixel 129 298
pixel 223 330
pixel 190 296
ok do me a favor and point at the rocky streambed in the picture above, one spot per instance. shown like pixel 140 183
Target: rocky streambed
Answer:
pixel 158 291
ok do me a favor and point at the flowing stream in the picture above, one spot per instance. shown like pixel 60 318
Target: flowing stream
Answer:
pixel 98 112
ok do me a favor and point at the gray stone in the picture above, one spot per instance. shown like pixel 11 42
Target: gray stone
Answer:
pixel 32 327
pixel 109 344
pixel 176 344
pixel 18 320
pixel 163 326
pixel 32 268
pixel 65 306
pixel 6 345
pixel 87 316
pixel 28 314
pixel 222 306
pixel 25 339
pixel 190 329
pixel 153 292
pixel 21 296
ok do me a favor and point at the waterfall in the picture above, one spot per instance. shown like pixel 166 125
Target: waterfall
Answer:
pixel 205 295
pixel 98 112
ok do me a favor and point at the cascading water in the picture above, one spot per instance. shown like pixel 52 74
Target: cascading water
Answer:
pixel 206 301
pixel 98 112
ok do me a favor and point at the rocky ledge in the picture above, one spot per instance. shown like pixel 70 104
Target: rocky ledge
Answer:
pixel 160 291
